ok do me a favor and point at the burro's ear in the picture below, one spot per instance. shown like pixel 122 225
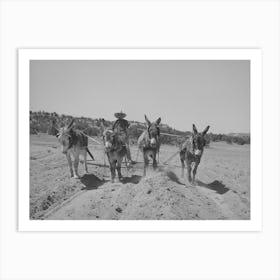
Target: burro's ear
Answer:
pixel 205 130
pixel 147 121
pixel 70 124
pixel 194 129
pixel 158 121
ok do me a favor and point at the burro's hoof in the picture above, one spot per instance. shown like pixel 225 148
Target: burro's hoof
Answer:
pixel 188 183
pixel 193 183
pixel 76 177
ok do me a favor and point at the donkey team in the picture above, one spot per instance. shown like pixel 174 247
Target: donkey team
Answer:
pixel 116 144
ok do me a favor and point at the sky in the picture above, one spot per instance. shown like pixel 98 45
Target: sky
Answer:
pixel 182 92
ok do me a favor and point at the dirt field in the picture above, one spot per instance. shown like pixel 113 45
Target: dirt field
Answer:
pixel 222 191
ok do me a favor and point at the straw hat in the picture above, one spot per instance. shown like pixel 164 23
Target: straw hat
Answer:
pixel 120 115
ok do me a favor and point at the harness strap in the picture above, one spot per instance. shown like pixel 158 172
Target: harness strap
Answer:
pixel 73 139
pixel 71 142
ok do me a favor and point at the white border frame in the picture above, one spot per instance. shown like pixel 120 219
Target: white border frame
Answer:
pixel 254 55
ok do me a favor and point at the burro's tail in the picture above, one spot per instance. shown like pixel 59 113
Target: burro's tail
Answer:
pixel 90 154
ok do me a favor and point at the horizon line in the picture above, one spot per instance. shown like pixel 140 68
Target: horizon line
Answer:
pixel 75 116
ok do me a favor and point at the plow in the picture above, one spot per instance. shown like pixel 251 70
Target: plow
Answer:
pixel 136 162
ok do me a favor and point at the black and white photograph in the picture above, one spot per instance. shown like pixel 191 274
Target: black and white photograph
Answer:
pixel 140 139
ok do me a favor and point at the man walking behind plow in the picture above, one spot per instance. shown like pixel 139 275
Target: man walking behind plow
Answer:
pixel 121 126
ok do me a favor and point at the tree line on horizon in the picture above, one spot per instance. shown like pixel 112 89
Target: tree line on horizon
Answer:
pixel 45 122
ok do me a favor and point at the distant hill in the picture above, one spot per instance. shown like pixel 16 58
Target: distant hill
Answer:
pixel 239 134
pixel 45 122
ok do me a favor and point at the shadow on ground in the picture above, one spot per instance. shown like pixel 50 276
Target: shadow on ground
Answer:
pixel 134 179
pixel 91 182
pixel 173 177
pixel 216 186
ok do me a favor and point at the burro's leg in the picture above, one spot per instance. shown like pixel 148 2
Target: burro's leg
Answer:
pixel 76 164
pixel 85 158
pixel 113 170
pixel 194 171
pixel 155 160
pixel 70 164
pixel 182 159
pixel 128 154
pixel 125 139
pixel 189 169
pixel 146 162
pixel 119 166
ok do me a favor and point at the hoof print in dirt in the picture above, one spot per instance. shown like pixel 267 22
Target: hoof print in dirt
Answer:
pixel 119 210
pixel 149 191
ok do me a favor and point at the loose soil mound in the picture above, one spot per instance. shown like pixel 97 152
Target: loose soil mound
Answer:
pixel 159 196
